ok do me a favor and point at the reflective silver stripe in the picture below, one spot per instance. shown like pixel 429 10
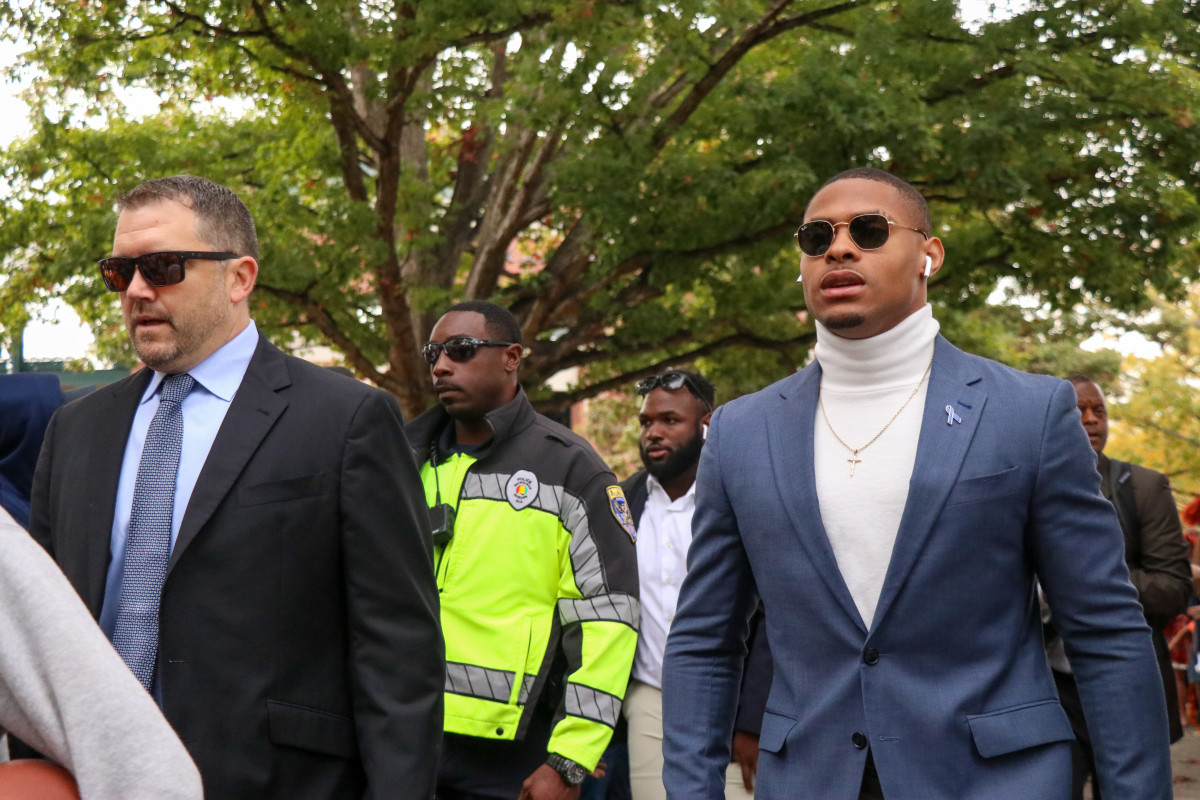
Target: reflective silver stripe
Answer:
pixel 494 486
pixel 488 486
pixel 571 511
pixel 526 688
pixel 585 556
pixel 605 607
pixel 549 499
pixel 592 704
pixel 488 684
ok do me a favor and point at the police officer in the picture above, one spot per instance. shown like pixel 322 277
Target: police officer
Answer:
pixel 534 552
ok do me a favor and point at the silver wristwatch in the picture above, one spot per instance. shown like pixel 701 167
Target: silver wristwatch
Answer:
pixel 571 773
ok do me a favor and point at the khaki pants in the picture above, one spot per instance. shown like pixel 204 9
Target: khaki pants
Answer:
pixel 643 712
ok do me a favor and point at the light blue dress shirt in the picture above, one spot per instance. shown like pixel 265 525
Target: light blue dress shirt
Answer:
pixel 217 380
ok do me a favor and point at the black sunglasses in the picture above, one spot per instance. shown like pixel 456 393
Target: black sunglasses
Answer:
pixel 672 381
pixel 867 231
pixel 159 269
pixel 458 348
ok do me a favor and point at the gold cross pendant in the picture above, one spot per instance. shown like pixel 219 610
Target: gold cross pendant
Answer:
pixel 854 462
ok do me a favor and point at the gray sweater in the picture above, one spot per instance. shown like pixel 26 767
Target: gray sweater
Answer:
pixel 66 692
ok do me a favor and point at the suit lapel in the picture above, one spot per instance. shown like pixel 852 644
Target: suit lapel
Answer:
pixel 116 405
pixel 941 450
pixel 790 448
pixel 255 408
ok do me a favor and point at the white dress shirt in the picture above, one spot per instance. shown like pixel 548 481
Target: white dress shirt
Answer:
pixel 664 535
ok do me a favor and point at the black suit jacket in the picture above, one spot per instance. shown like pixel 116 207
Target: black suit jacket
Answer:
pixel 758 668
pixel 1158 559
pixel 299 649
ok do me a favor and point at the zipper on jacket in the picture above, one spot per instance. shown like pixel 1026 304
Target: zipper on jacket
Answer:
pixel 442 566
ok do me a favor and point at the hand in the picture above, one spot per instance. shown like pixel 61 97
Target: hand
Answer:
pixel 745 755
pixel 600 770
pixel 546 784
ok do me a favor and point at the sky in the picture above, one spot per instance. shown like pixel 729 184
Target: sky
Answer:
pixel 60 334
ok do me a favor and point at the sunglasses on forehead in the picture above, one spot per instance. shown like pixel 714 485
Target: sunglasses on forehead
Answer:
pixel 867 231
pixel 672 381
pixel 158 269
pixel 458 348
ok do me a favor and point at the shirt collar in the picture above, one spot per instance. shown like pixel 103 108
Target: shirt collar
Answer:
pixel 653 487
pixel 221 373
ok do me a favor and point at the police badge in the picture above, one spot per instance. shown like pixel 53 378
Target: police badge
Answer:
pixel 620 510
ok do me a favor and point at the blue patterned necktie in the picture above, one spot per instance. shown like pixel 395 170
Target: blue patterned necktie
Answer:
pixel 148 545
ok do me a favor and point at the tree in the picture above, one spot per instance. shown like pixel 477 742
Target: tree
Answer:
pixel 624 175
pixel 1158 419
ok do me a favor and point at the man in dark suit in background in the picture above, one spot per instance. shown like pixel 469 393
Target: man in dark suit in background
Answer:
pixel 248 528
pixel 1159 567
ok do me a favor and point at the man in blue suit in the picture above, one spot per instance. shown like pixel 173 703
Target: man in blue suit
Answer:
pixel 893 504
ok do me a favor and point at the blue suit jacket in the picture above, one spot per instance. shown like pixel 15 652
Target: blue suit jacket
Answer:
pixel 950 687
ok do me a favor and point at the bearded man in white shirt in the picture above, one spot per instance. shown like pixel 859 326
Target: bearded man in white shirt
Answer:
pixel 662 497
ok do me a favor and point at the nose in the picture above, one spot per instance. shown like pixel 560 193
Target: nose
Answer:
pixel 139 289
pixel 1088 417
pixel 842 247
pixel 652 433
pixel 443 365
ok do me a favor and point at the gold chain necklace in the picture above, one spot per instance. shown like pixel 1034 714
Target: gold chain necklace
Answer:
pixel 854 451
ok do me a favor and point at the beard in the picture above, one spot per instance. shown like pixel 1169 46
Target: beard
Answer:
pixel 678 462
pixel 843 322
pixel 181 334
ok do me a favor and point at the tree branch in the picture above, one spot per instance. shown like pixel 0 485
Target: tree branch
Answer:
pixel 767 28
pixel 1146 422
pixel 325 323
pixel 559 401
pixel 520 188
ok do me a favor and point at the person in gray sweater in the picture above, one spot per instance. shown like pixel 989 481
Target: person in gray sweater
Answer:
pixel 65 692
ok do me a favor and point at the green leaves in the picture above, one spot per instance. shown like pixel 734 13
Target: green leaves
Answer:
pixel 625 176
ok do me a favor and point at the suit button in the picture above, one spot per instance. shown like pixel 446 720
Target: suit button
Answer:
pixel 871 656
pixel 860 740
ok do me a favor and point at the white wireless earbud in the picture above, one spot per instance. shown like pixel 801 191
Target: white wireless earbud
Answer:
pixel 928 265
pixel 704 431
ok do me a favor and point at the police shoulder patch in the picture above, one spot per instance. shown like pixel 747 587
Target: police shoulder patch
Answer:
pixel 620 510
pixel 522 489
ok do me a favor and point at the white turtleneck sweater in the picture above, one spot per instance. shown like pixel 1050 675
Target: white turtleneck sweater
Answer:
pixel 863 384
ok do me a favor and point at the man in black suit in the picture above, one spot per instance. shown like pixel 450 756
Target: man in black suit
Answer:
pixel 1158 561
pixel 277 596
pixel 1159 568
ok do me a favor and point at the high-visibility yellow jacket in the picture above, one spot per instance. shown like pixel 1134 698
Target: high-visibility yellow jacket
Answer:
pixel 541 561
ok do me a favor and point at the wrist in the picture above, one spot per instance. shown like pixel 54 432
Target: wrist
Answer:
pixel 571 773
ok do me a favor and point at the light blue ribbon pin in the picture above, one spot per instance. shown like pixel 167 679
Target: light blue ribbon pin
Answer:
pixel 951 417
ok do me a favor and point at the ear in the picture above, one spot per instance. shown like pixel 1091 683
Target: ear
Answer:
pixel 512 357
pixel 935 253
pixel 240 277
